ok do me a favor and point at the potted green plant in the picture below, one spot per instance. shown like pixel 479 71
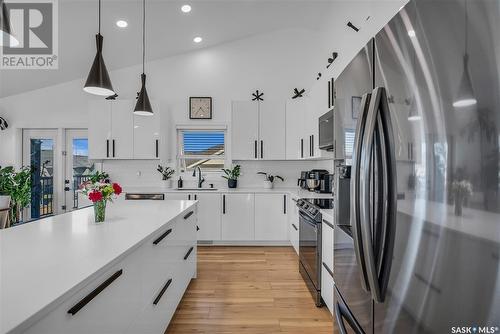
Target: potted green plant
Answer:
pixel 16 186
pixel 166 174
pixel 6 181
pixel 269 179
pixel 232 175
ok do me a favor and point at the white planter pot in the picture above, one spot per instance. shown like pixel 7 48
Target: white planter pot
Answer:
pixel 167 184
pixel 4 201
pixel 4 215
pixel 268 185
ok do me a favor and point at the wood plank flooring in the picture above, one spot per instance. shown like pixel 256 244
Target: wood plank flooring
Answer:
pixel 254 290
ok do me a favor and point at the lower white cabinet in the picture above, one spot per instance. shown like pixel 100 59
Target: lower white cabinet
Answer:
pixel 138 294
pixel 293 225
pixel 238 217
pixel 327 287
pixel 209 216
pixel 327 243
pixel 271 217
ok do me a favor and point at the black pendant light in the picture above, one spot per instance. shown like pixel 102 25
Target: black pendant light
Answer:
pixel 98 81
pixel 465 97
pixel 143 106
pixel 6 36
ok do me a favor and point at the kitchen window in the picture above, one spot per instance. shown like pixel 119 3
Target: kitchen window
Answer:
pixel 204 148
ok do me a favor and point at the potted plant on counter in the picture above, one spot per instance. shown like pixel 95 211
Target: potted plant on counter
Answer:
pixel 269 179
pixel 5 188
pixel 99 190
pixel 166 174
pixel 232 175
pixel 15 188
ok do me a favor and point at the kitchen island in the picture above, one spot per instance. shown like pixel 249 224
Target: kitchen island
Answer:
pixel 66 274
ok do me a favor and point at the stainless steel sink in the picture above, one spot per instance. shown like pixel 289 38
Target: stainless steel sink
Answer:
pixel 196 189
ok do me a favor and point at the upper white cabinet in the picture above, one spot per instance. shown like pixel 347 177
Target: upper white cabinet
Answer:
pixel 116 133
pixel 295 117
pixel 238 217
pixel 271 217
pixel 258 130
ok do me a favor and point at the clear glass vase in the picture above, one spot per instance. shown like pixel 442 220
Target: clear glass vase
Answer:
pixel 100 211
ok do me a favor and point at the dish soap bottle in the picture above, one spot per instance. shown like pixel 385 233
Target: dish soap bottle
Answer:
pixel 179 182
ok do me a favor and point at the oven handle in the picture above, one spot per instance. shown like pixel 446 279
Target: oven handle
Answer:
pixel 355 190
pixel 308 220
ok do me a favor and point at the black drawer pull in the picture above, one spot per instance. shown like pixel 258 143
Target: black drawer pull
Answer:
pixel 107 148
pixel 328 269
pixel 156 148
pixel 328 223
pixel 197 228
pixel 113 148
pixel 295 227
pixel 284 204
pixel 81 304
pixel 162 291
pixel 188 215
pixel 161 237
pixel 188 253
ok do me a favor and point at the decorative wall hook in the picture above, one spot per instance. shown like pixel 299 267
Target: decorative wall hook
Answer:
pixel 3 124
pixel 112 97
pixel 319 76
pixel 297 93
pixel 257 96
pixel 352 26
pixel 332 59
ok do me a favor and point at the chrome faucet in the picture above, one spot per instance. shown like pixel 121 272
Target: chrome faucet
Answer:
pixel 200 178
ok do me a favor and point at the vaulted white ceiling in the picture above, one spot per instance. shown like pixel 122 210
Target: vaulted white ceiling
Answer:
pixel 169 32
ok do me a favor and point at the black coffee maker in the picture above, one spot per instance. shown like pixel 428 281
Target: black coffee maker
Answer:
pixel 314 178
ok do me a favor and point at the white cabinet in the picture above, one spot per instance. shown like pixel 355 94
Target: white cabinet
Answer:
pixel 271 217
pixel 237 217
pixel 245 130
pixel 209 216
pixel 258 130
pixel 295 116
pixel 116 133
pixel 293 225
pixel 327 243
pixel 327 288
pixel 147 143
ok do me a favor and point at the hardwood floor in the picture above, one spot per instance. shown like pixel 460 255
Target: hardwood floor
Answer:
pixel 254 290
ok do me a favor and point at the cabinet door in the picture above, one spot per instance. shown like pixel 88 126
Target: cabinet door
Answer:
pixel 272 125
pixel 295 110
pixel 99 129
pixel 271 217
pixel 122 129
pixel 237 217
pixel 209 216
pixel 147 135
pixel 245 130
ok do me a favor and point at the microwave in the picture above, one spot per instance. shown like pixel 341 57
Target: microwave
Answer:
pixel 326 131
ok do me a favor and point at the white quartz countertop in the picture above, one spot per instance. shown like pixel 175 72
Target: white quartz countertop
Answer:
pixel 476 223
pixel 44 261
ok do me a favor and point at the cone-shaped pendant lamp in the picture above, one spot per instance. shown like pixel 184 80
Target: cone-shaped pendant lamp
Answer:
pixel 98 81
pixel 465 97
pixel 6 36
pixel 143 106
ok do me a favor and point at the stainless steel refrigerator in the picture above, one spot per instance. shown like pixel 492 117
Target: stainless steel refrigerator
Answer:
pixel 420 251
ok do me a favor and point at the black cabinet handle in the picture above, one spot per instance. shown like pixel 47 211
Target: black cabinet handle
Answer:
pixel 81 304
pixel 107 148
pixel 195 197
pixel 328 223
pixel 295 227
pixel 197 228
pixel 189 214
pixel 189 197
pixel 162 291
pixel 156 149
pixel 301 147
pixel 188 253
pixel 284 204
pixel 255 150
pixel 329 94
pixel 161 237
pixel 328 269
pixel 113 148
pixel 312 145
pixel 223 204
pixel 262 149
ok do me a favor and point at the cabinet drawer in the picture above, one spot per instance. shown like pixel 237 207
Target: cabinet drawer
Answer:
pixel 327 288
pixel 115 303
pixel 327 243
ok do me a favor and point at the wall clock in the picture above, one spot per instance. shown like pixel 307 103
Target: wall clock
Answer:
pixel 200 108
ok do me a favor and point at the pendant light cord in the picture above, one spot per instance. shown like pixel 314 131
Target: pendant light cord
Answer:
pixel 99 16
pixel 466 23
pixel 143 34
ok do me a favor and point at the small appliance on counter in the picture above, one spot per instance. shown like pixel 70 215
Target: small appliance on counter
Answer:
pixel 318 180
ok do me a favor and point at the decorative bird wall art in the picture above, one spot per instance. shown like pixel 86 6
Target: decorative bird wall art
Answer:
pixel 298 93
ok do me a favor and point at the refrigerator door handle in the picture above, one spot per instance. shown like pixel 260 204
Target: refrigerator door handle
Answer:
pixel 355 185
pixel 341 313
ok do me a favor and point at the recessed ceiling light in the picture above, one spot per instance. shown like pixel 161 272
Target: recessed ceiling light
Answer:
pixel 411 33
pixel 186 8
pixel 197 39
pixel 122 23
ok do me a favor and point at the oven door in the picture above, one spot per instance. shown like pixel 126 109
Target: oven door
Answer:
pixel 310 247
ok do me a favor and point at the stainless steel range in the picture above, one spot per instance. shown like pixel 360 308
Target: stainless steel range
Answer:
pixel 310 243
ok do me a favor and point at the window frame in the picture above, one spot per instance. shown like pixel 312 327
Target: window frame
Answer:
pixel 201 128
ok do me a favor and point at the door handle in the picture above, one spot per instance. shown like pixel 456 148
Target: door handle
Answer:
pixel 224 204
pixel 312 145
pixel 355 188
pixel 189 214
pixel 188 253
pixel 107 148
pixel 284 204
pixel 302 147
pixel 262 149
pixel 341 313
pixel 161 237
pixel 255 149
pixel 162 291
pixel 295 227
pixel 113 148
pixel 156 147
